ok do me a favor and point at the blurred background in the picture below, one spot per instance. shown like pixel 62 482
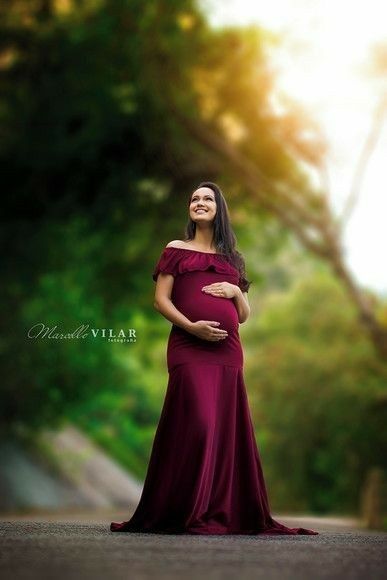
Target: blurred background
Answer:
pixel 112 112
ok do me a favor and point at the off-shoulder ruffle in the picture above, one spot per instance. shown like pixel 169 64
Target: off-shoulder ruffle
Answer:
pixel 179 260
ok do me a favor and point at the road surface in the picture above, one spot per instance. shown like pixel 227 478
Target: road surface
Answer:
pixel 82 547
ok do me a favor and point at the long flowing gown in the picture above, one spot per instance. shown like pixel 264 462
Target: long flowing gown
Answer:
pixel 204 474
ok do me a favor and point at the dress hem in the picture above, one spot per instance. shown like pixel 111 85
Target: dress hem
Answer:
pixel 214 531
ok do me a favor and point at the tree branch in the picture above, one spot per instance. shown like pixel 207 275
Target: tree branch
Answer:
pixel 365 155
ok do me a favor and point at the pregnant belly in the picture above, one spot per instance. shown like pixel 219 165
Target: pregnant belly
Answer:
pixel 207 307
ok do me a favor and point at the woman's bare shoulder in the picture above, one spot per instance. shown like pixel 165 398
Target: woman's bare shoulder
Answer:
pixel 176 244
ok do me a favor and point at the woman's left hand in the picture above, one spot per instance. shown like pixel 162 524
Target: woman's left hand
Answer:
pixel 221 289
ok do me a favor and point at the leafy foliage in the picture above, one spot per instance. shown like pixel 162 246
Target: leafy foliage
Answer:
pixel 318 393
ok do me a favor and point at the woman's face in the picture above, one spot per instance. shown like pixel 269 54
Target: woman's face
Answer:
pixel 202 207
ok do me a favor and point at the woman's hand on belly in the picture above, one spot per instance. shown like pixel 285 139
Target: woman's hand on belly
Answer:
pixel 221 289
pixel 207 330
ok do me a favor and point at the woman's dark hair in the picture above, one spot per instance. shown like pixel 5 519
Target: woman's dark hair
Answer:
pixel 224 237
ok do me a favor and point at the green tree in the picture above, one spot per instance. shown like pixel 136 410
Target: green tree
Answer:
pixel 318 393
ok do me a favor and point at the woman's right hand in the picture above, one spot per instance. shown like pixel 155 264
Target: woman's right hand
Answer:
pixel 207 330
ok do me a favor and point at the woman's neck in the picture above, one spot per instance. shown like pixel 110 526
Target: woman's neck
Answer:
pixel 204 240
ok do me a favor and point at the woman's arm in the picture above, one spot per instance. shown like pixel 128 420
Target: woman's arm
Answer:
pixel 241 302
pixel 164 304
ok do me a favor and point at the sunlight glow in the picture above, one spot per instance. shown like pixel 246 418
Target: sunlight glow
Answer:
pixel 325 65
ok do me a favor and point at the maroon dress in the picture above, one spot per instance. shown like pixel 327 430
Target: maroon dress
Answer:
pixel 204 474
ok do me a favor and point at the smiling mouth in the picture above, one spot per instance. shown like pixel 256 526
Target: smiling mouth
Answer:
pixel 201 210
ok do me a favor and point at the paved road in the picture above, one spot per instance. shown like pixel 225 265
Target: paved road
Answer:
pixel 84 548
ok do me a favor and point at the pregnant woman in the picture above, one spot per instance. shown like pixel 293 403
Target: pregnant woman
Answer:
pixel 204 474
